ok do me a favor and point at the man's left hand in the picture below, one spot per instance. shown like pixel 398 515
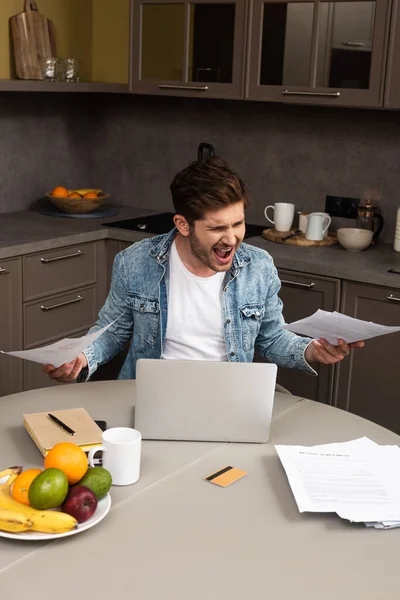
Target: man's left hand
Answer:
pixel 323 352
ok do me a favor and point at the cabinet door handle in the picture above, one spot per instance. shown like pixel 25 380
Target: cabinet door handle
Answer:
pixel 298 284
pixel 49 260
pixel 53 306
pixel 354 44
pixel 194 88
pixel 392 298
pixel 3 271
pixel 321 94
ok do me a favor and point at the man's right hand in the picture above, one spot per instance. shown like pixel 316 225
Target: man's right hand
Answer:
pixel 68 371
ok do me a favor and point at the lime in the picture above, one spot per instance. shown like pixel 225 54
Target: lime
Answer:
pixel 48 489
pixel 98 480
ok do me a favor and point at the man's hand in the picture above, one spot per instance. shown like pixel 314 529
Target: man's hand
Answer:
pixel 68 371
pixel 323 352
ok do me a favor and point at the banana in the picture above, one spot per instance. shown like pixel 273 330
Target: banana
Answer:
pixel 45 521
pixel 13 521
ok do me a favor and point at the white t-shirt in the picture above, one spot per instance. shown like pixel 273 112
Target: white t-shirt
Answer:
pixel 195 327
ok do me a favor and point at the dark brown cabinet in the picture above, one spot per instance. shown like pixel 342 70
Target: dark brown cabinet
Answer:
pixel 318 52
pixel 368 383
pixel 302 295
pixel 392 89
pixel 10 325
pixel 184 48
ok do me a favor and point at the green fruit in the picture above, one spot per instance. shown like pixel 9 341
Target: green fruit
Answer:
pixel 98 480
pixel 48 489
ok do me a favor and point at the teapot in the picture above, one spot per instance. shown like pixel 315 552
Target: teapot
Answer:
pixel 369 217
pixel 317 226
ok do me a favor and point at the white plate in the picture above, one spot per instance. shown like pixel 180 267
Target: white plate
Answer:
pixel 102 509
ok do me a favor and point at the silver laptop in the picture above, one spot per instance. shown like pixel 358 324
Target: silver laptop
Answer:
pixel 204 400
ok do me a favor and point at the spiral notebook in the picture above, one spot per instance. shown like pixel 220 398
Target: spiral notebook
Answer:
pixel 46 433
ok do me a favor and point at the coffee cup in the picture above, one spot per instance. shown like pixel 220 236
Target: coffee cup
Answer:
pixel 303 220
pixel 283 215
pixel 121 447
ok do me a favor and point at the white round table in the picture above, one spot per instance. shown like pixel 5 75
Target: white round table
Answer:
pixel 175 536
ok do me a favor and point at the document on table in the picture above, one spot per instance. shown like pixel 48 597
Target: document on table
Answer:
pixel 359 480
pixel 60 352
pixel 334 326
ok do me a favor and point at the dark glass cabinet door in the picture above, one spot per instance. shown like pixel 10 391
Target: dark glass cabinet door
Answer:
pixel 318 52
pixel 188 48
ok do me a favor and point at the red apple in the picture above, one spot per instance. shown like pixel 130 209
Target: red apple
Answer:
pixel 81 503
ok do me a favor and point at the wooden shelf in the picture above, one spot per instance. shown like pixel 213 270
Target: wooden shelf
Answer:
pixel 19 85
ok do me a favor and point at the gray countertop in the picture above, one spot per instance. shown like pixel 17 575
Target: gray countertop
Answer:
pixel 25 232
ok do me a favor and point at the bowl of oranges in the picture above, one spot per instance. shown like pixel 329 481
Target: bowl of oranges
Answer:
pixel 77 201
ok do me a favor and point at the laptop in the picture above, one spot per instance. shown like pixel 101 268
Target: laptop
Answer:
pixel 204 400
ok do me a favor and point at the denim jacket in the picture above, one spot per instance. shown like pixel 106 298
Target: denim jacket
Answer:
pixel 138 300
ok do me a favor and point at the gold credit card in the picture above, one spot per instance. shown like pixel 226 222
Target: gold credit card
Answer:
pixel 225 476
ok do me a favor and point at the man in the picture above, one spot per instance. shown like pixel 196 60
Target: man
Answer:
pixel 198 292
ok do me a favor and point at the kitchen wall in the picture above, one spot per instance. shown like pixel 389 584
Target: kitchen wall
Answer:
pixel 133 146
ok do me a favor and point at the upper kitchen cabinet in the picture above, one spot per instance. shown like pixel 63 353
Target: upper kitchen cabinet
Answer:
pixel 188 48
pixel 96 32
pixel 392 90
pixel 318 52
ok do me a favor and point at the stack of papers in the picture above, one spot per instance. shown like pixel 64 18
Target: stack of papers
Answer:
pixel 359 480
pixel 334 326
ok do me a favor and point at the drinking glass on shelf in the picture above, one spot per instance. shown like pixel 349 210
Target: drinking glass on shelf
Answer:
pixel 49 67
pixel 69 70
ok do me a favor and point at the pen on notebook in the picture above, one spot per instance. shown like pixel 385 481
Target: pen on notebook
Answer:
pixel 61 424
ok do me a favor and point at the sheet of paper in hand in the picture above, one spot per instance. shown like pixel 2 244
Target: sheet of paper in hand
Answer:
pixel 334 326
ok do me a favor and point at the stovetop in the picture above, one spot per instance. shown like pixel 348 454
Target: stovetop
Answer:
pixel 163 222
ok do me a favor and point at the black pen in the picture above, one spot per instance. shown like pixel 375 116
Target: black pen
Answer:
pixel 61 424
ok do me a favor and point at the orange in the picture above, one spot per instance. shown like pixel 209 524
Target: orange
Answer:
pixel 69 458
pixel 90 195
pixel 60 192
pixel 21 485
pixel 74 195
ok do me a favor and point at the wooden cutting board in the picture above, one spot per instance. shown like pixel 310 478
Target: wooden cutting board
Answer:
pixel 33 38
pixel 276 236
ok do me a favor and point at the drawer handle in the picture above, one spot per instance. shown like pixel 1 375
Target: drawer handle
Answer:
pixel 77 299
pixel 193 88
pixel 354 44
pixel 49 260
pixel 392 298
pixel 3 271
pixel 321 94
pixel 298 284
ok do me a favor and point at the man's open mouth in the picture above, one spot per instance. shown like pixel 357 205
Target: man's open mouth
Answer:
pixel 224 255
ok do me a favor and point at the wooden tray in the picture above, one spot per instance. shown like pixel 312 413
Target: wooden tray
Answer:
pixel 298 240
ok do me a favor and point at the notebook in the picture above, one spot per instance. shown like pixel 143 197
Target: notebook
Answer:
pixel 46 433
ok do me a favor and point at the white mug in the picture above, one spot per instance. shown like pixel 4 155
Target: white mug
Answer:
pixel 121 449
pixel 317 226
pixel 283 215
pixel 303 219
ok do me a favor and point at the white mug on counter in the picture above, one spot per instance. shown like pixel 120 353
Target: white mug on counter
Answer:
pixel 283 215
pixel 317 226
pixel 121 449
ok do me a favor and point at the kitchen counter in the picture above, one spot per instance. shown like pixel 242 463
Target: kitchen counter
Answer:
pixel 26 232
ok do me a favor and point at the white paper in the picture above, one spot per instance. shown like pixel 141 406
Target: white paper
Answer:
pixel 60 352
pixel 358 480
pixel 334 326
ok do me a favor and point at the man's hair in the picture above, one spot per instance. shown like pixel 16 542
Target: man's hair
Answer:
pixel 206 186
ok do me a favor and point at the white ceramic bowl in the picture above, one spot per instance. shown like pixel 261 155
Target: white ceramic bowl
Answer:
pixel 353 239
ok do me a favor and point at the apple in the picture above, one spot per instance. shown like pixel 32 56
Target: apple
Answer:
pixel 81 503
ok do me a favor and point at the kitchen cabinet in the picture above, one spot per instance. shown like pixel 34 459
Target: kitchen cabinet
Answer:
pixel 318 52
pixel 368 383
pixel 392 89
pixel 184 48
pixel 302 295
pixel 97 32
pixel 10 325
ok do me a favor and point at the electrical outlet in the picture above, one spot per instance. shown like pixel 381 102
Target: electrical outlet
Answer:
pixel 341 206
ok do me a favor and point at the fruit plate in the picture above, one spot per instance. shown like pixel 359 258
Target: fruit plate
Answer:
pixel 102 509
